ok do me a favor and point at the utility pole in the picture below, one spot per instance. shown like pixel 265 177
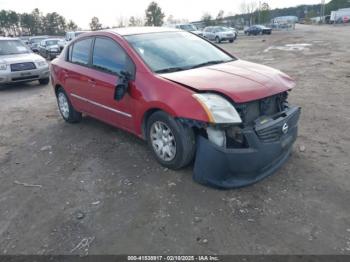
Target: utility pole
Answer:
pixel 259 12
pixel 322 13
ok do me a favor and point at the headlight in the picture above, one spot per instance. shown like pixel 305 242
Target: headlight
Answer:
pixel 218 109
pixel 3 66
pixel 41 63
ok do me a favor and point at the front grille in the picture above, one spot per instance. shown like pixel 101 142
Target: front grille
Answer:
pixel 269 135
pixel 22 67
pixel 269 106
pixel 23 78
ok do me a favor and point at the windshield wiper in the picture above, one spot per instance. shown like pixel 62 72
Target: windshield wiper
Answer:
pixel 176 69
pixel 214 62
pixel 170 70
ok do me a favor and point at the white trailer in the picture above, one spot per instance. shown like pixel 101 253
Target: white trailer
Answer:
pixel 339 15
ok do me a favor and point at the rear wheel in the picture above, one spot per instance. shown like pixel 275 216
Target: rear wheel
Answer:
pixel 172 144
pixel 217 40
pixel 231 41
pixel 67 111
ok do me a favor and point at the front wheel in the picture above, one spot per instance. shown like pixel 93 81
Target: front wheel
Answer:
pixel 231 40
pixel 67 111
pixel 217 40
pixel 44 81
pixel 172 143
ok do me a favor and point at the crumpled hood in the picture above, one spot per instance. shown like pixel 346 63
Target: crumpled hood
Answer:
pixel 240 80
pixel 20 58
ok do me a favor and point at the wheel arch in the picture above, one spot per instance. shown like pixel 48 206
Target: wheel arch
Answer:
pixel 56 87
pixel 145 118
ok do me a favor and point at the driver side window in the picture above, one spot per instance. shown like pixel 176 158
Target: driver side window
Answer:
pixel 110 57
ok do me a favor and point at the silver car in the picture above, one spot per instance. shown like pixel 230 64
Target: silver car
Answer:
pixel 219 34
pixel 50 48
pixel 19 64
pixel 190 28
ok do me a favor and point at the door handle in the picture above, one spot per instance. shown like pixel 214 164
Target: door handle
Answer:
pixel 91 81
pixel 65 74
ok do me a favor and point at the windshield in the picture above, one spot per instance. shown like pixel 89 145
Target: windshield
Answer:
pixel 12 47
pixel 176 51
pixel 36 40
pixel 52 42
pixel 78 33
pixel 188 27
pixel 224 29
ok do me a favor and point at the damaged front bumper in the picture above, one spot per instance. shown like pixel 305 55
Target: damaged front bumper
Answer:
pixel 269 145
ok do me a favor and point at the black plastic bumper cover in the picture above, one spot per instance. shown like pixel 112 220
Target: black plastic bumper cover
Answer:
pixel 233 168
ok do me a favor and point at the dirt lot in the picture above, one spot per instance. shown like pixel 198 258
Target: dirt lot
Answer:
pixel 99 187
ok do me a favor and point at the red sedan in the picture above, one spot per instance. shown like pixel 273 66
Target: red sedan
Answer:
pixel 189 99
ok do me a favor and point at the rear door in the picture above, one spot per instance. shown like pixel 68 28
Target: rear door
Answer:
pixel 206 32
pixel 42 48
pixel 108 60
pixel 211 33
pixel 77 73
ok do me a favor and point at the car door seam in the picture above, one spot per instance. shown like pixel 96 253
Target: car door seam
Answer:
pixel 102 106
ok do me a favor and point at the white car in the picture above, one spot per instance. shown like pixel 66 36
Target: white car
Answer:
pixel 190 28
pixel 19 64
pixel 219 34
pixel 69 37
pixel 73 34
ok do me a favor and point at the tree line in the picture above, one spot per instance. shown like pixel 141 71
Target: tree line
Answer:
pixel 34 23
pixel 154 16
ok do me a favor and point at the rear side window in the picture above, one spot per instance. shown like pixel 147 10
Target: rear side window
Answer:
pixel 110 57
pixel 80 52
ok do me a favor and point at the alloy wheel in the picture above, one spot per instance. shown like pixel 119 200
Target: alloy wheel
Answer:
pixel 163 141
pixel 63 105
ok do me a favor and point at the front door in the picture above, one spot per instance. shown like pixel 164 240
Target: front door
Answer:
pixel 107 61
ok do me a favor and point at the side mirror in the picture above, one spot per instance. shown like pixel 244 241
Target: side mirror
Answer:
pixel 122 85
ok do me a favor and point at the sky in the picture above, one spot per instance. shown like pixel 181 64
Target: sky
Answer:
pixel 110 12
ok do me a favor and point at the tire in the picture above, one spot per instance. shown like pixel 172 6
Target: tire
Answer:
pixel 183 140
pixel 68 113
pixel 231 41
pixel 44 81
pixel 217 40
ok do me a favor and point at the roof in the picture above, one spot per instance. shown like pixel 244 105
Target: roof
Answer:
pixel 9 38
pixel 141 30
pixel 39 36
pixel 54 38
pixel 79 31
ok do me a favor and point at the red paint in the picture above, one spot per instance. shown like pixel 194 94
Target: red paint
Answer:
pixel 241 81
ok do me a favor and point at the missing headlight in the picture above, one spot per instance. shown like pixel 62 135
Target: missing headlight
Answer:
pixel 235 138
pixel 216 136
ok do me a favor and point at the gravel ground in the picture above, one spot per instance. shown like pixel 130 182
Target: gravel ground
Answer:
pixel 91 188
